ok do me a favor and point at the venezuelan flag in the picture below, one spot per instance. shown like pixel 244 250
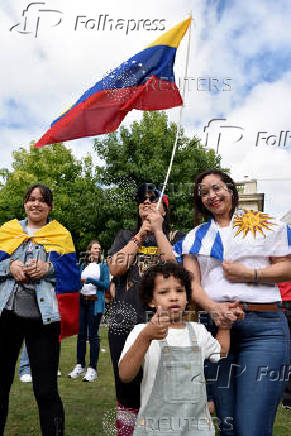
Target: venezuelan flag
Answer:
pixel 145 82
pixel 57 242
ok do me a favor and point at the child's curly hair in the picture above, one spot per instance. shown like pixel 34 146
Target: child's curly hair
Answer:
pixel 147 282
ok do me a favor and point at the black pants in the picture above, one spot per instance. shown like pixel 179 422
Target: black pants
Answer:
pixel 128 394
pixel 43 351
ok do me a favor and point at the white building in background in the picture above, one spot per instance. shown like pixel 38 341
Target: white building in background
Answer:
pixel 249 198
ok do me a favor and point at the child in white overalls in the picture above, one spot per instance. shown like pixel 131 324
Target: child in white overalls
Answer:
pixel 172 353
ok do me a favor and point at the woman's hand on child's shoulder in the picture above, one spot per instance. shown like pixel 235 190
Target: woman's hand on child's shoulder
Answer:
pixel 157 327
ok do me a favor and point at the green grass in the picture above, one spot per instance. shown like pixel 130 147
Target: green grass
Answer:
pixel 85 404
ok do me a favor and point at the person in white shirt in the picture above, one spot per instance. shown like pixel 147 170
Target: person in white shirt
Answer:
pixel 172 353
pixel 95 280
pixel 236 259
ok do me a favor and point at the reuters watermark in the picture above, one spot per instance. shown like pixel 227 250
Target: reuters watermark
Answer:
pixel 127 421
pixel 191 423
pixel 191 84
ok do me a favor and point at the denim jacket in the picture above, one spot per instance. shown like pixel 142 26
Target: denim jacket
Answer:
pixel 44 288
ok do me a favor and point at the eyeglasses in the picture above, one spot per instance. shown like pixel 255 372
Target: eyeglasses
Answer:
pixel 150 198
pixel 204 190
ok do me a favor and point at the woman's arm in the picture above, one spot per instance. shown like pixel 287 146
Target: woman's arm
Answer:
pixel 120 262
pixel 199 296
pixel 5 268
pixel 165 247
pixel 220 312
pixel 112 289
pixel 223 337
pixel 278 271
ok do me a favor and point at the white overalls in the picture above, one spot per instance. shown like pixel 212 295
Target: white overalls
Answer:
pixel 177 404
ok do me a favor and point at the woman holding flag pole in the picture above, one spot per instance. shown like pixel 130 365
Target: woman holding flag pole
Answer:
pixel 37 259
pixel 239 258
pixel 131 254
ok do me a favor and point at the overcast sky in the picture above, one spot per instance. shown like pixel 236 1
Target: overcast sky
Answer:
pixel 239 73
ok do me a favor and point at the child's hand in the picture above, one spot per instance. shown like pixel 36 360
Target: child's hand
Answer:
pixel 157 328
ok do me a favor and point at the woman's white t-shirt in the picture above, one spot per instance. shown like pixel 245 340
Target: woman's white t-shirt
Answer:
pixel 220 289
pixel 92 270
pixel 210 349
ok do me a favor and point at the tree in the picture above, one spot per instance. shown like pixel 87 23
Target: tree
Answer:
pixel 77 199
pixel 142 153
pixel 95 203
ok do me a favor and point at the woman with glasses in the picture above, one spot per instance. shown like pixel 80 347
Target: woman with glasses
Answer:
pixel 95 281
pixel 236 259
pixel 132 253
pixel 37 259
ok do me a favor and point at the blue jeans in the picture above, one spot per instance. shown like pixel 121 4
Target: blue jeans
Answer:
pixel 92 322
pixel 24 365
pixel 247 385
pixel 287 393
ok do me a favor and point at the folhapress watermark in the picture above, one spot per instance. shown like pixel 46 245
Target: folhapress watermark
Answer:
pixel 34 15
pixel 216 129
pixel 274 374
pixel 283 139
pixel 37 15
pixel 104 22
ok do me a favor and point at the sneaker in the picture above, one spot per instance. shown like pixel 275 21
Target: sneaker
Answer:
pixel 90 375
pixel 59 373
pixel 77 371
pixel 26 378
pixel 286 406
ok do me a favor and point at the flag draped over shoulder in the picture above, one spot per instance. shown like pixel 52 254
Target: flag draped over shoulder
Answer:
pixel 57 242
pixel 146 81
pixel 254 233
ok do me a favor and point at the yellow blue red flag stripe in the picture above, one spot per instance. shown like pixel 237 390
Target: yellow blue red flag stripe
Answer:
pixel 146 81
pixel 56 240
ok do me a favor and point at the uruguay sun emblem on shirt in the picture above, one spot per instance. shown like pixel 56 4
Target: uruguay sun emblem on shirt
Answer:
pixel 252 221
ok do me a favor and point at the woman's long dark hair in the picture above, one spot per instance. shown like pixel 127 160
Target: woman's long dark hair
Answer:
pixel 200 209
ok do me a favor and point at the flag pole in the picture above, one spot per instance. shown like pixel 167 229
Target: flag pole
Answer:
pixel 180 117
